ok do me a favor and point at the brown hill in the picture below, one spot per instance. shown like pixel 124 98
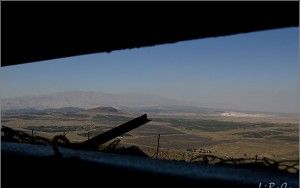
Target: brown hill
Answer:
pixel 103 110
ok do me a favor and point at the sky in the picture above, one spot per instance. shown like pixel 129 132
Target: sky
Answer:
pixel 257 71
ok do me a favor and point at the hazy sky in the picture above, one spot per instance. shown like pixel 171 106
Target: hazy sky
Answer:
pixel 253 71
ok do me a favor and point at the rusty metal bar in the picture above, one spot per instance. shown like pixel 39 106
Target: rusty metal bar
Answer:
pixel 93 143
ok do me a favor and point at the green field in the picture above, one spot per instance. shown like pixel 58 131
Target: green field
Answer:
pixel 277 140
pixel 111 119
pixel 204 125
pixel 261 134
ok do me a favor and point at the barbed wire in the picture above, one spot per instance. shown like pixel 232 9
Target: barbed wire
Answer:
pixel 291 166
pixel 191 156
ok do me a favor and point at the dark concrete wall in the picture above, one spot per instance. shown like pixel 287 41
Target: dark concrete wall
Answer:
pixel 33 31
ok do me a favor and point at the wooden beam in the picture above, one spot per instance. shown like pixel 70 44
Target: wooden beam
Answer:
pixel 94 142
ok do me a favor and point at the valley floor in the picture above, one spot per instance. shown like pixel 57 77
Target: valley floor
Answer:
pixel 181 137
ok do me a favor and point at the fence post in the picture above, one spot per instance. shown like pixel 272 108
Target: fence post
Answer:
pixel 31 135
pixel 192 156
pixel 186 155
pixel 168 153
pixel 157 148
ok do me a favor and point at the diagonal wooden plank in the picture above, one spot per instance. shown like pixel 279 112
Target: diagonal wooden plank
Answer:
pixel 94 142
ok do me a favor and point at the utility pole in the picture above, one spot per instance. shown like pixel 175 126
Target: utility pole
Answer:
pixel 31 135
pixel 157 148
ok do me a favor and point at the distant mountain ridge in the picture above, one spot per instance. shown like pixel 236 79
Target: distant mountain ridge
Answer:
pixel 76 101
pixel 64 110
pixel 103 110
pixel 85 99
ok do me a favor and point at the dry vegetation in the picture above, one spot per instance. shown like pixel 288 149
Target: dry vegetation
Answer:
pixel 181 138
